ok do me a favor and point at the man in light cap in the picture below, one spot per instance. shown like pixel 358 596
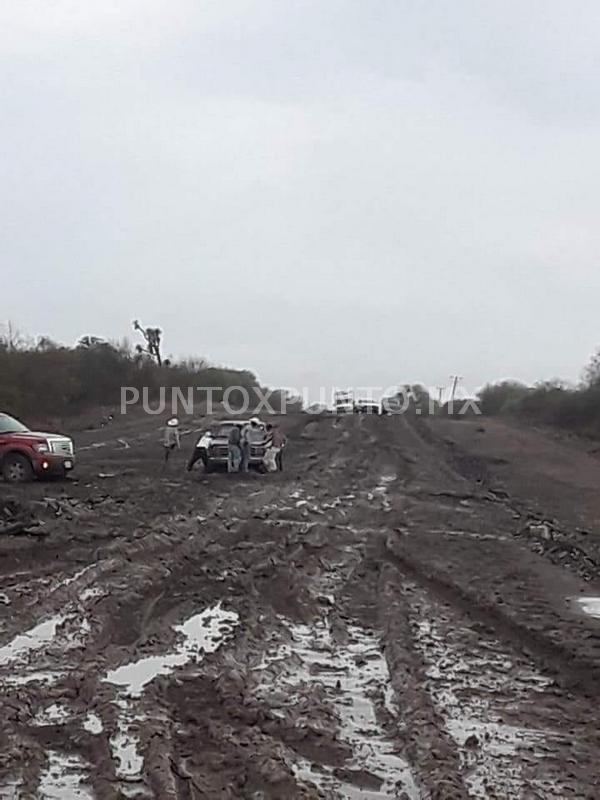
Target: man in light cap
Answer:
pixel 274 443
pixel 171 440
pixel 251 434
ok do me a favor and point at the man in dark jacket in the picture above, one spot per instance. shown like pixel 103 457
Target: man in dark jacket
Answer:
pixel 234 450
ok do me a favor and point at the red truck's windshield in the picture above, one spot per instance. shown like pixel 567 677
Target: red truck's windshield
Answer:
pixel 10 425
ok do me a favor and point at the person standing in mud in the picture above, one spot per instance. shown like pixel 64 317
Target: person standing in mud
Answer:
pixel 279 457
pixel 234 450
pixel 251 434
pixel 171 441
pixel 273 444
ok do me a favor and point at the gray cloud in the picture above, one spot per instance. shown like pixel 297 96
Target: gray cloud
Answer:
pixel 339 192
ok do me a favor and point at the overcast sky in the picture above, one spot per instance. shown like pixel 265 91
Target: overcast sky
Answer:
pixel 327 192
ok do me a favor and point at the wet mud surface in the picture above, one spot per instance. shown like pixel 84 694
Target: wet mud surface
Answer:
pixel 390 617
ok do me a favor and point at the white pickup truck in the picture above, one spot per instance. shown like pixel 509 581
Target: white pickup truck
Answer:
pixel 343 403
pixel 366 407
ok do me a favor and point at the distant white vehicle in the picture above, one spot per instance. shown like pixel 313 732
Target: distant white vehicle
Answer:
pixel 366 407
pixel 343 403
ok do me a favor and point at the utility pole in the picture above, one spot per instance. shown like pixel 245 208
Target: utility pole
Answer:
pixel 440 393
pixel 455 380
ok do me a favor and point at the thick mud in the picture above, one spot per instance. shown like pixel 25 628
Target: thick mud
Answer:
pixel 390 617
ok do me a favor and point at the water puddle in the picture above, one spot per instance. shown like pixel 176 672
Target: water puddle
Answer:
pixel 494 737
pixel 46 677
pixel 589 606
pixel 64 778
pixel 469 534
pixel 93 724
pixel 203 633
pixel 309 503
pixel 57 714
pixel 75 635
pixel 89 594
pixel 474 684
pixel 93 446
pixel 53 715
pixel 72 631
pixel 381 491
pixel 124 744
pixel 10 786
pixel 79 574
pixel 353 675
pixel 74 628
pixel 33 639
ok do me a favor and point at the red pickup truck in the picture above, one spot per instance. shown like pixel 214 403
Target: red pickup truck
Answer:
pixel 25 454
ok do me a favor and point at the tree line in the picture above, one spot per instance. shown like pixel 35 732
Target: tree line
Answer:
pixel 40 378
pixel 574 408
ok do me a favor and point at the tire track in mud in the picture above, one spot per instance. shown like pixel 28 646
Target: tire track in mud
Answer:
pixel 81 672
pixel 340 670
pixel 564 545
pixel 451 782
pixel 265 574
pixel 466 571
pixel 133 584
pixel 471 604
pixel 325 682
pixel 522 625
pixel 532 610
pixel 502 725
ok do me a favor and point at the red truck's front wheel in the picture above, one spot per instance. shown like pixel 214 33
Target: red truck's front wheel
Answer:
pixel 17 469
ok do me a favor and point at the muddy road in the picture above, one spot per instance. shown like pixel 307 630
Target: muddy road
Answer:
pixel 407 611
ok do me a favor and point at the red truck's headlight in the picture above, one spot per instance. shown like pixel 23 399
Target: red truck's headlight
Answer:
pixel 41 447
